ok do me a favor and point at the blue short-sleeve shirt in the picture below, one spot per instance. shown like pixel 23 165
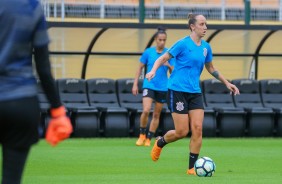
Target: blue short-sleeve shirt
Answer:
pixel 159 82
pixel 189 63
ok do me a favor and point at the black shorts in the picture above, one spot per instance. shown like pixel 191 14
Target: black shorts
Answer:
pixel 182 102
pixel 158 96
pixel 19 120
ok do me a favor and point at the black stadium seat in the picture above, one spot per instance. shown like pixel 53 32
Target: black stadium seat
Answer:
pixel 260 120
pixel 125 96
pixel 271 94
pixel 74 96
pixel 209 123
pixel 230 119
pixel 102 92
pixel 132 103
pixel 114 120
pixel 73 93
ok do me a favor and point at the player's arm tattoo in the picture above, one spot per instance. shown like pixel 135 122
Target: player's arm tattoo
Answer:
pixel 215 74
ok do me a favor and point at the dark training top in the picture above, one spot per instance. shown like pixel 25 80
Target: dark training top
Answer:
pixel 22 29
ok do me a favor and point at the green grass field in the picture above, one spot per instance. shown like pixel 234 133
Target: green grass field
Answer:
pixel 119 161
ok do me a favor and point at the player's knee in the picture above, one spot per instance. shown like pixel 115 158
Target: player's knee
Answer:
pixel 197 131
pixel 146 112
pixel 181 134
pixel 156 115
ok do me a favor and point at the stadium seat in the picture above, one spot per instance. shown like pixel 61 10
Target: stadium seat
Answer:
pixel 114 120
pixel 74 96
pixel 271 95
pixel 125 96
pixel 132 103
pixel 260 120
pixel 230 119
pixel 209 124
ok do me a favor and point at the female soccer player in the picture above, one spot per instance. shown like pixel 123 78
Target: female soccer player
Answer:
pixel 184 93
pixel 154 90
pixel 23 29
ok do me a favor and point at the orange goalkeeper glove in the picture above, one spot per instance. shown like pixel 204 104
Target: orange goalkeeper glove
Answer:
pixel 59 127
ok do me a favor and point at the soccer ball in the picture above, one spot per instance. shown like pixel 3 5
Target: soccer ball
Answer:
pixel 204 167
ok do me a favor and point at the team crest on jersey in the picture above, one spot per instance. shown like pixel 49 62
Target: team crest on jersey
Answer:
pixel 145 92
pixel 179 106
pixel 205 52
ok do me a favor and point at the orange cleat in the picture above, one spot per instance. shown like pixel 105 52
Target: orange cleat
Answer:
pixel 147 142
pixel 191 171
pixel 141 140
pixel 156 151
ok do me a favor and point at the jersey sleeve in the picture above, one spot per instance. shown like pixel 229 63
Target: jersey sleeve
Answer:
pixel 144 58
pixel 171 61
pixel 209 54
pixel 175 49
pixel 40 37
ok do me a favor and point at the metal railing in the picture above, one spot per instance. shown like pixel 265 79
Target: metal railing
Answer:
pixel 163 9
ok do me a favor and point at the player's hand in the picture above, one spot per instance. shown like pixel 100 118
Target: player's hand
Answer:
pixel 135 90
pixel 150 75
pixel 59 127
pixel 233 89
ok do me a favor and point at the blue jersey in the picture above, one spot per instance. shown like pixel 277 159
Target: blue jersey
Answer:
pixel 189 63
pixel 159 82
pixel 22 27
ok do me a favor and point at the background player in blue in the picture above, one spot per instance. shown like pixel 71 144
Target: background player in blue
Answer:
pixel 152 91
pixel 23 29
pixel 184 93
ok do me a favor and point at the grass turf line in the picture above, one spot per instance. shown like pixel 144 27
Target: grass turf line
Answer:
pixel 119 161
